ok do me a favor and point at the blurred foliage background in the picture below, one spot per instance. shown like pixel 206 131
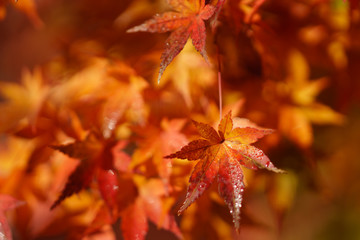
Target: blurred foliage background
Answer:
pixel 69 69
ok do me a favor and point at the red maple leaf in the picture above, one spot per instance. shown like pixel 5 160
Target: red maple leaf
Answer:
pixel 97 160
pixel 187 20
pixel 222 154
pixel 6 203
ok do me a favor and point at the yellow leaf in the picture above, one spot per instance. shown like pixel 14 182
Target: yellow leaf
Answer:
pixel 189 74
pixel 298 69
pixel 306 94
pixel 283 193
pixel 322 114
pixel 22 101
pixel 294 124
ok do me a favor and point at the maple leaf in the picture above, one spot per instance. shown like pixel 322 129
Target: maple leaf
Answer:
pixel 157 142
pixel 23 101
pixel 124 99
pixel 222 154
pixel 189 74
pixel 97 160
pixel 111 86
pixel 186 21
pixel 26 6
pixel 29 8
pixel 218 7
pixel 148 205
pixel 300 108
pixel 6 203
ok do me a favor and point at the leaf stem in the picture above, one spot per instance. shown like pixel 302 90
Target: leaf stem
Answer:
pixel 220 94
pixel 219 80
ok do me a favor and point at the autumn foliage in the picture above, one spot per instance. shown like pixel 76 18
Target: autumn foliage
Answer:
pixel 179 119
pixel 222 154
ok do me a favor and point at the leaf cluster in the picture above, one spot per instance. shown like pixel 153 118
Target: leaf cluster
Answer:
pixel 107 132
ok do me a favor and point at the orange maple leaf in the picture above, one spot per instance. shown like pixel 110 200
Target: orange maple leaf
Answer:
pixel 147 206
pixel 298 108
pixel 186 21
pixel 222 154
pixel 23 101
pixel 157 142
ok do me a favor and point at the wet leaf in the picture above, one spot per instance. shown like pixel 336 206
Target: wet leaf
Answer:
pixel 186 21
pixel 221 154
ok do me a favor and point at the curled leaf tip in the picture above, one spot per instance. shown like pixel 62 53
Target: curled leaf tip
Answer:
pixel 140 28
pixel 179 212
pixel 278 170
